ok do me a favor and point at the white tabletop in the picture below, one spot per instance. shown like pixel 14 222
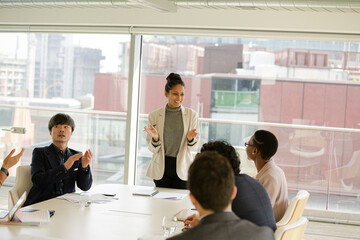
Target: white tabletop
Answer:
pixel 127 218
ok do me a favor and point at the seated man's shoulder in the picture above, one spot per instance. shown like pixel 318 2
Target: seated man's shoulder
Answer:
pixel 252 231
pixel 188 234
pixel 73 151
pixel 231 229
pixel 40 149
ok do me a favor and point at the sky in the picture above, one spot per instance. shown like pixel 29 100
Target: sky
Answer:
pixel 108 43
pixel 8 44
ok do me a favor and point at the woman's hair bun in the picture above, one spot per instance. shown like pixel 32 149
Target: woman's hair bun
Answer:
pixel 173 79
pixel 171 76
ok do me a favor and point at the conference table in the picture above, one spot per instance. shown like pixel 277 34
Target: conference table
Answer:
pixel 127 217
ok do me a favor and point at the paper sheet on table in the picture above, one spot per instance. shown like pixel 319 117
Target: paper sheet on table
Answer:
pixel 3 213
pixel 170 195
pixel 95 198
pixel 34 215
pixel 33 237
pixel 151 237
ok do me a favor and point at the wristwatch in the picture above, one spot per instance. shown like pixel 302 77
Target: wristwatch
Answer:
pixel 5 171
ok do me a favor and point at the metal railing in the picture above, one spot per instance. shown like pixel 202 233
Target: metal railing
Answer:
pixel 303 171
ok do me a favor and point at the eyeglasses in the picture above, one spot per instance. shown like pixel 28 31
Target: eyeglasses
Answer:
pixel 247 144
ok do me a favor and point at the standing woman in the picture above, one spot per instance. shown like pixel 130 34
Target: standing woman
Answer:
pixel 171 137
pixel 261 147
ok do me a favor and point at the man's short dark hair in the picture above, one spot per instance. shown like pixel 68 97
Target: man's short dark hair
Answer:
pixel 225 149
pixel 211 180
pixel 60 119
pixel 266 142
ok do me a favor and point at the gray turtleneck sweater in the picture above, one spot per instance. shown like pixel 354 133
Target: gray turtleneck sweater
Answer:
pixel 173 131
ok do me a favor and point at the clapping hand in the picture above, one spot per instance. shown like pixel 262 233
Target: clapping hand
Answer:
pixel 152 132
pixel 70 161
pixel 10 160
pixel 191 135
pixel 86 158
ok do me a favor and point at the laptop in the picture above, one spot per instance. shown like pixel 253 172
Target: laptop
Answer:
pixel 16 216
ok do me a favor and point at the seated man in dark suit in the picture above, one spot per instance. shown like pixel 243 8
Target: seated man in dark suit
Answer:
pixel 56 168
pixel 211 183
pixel 252 201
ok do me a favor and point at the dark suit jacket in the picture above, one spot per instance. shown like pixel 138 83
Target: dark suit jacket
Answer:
pixel 227 226
pixel 252 202
pixel 51 179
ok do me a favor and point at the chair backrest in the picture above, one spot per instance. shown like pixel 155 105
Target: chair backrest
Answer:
pixel 293 231
pixel 22 183
pixel 295 209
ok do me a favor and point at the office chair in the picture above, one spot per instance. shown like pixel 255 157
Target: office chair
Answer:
pixel 22 183
pixel 295 208
pixel 293 231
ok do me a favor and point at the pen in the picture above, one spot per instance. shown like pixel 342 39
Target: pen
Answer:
pixel 109 194
pixel 149 126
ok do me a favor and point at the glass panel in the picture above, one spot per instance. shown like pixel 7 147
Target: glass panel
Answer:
pixel 306 92
pixel 84 75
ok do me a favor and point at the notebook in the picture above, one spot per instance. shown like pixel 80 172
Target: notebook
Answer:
pixel 16 216
pixel 145 192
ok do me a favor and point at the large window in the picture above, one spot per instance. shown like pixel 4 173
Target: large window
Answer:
pixel 306 92
pixel 84 75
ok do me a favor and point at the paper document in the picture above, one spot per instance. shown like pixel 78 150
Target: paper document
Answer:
pixel 151 237
pixel 3 213
pixel 71 197
pixel 170 195
pixel 41 216
pixel 95 198
pixel 33 237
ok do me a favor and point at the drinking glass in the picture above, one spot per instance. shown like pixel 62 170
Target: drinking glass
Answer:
pixel 169 224
pixel 85 199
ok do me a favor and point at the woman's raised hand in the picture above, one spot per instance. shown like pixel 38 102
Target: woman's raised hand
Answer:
pixel 191 135
pixel 152 132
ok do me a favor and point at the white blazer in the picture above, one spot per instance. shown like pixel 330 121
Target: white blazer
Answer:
pixel 184 158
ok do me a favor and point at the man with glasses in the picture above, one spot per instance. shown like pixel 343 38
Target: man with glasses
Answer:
pixel 261 148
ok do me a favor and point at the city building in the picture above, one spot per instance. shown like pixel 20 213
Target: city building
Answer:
pixel 12 77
